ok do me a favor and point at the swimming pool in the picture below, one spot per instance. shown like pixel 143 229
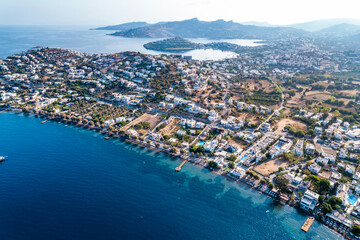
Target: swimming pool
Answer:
pixel 201 143
pixel 243 158
pixel 352 199
pixel 278 146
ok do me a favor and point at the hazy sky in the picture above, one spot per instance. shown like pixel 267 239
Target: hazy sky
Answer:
pixel 103 12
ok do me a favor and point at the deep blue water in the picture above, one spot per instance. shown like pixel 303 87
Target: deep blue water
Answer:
pixel 61 182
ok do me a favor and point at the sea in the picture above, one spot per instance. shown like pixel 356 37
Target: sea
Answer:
pixel 62 182
pixel 15 39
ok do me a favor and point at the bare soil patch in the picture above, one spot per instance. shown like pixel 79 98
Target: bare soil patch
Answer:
pixel 151 119
pixel 288 121
pixel 349 92
pixel 317 95
pixel 171 127
pixel 324 175
pixel 271 166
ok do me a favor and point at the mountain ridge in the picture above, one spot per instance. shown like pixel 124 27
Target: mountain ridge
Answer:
pixel 123 26
pixel 341 30
pixel 317 25
pixel 219 29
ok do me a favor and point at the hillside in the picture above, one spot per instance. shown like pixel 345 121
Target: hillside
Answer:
pixel 318 25
pixel 340 30
pixel 220 29
pixel 176 44
pixel 124 26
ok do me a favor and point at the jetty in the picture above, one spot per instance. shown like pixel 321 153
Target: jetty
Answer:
pixel 178 169
pixel 308 224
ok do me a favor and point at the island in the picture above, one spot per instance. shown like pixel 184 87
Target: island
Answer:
pixel 178 44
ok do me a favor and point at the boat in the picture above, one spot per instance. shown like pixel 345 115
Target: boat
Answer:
pixel 2 158
pixel 267 211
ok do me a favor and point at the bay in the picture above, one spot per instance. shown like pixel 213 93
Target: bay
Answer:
pixel 62 182
pixel 15 39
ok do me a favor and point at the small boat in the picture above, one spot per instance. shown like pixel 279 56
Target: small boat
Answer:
pixel 267 211
pixel 2 158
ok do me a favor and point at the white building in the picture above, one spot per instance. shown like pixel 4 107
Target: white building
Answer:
pixel 210 146
pixel 314 168
pixel 350 169
pixel 309 201
pixel 310 149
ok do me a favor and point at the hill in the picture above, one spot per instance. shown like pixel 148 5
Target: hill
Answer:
pixel 219 29
pixel 259 24
pixel 341 30
pixel 178 44
pixel 318 25
pixel 124 26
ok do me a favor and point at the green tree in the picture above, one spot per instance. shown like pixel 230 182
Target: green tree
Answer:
pixel 232 158
pixel 333 201
pixel 213 164
pixel 249 173
pixel 231 165
pixel 355 230
pixel 324 186
pixel 326 208
pixel 282 184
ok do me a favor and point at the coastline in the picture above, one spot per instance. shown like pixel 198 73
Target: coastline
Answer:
pixel 247 181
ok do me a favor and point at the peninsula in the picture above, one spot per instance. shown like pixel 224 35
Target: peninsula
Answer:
pixel 282 117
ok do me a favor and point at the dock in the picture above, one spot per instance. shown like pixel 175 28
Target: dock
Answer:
pixel 178 169
pixel 307 224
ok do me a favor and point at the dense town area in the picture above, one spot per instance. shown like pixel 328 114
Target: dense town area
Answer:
pixel 282 117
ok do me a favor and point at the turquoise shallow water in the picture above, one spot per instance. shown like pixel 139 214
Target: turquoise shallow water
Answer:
pixel 61 182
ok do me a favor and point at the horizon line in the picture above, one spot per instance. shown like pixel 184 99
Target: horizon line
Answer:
pixel 240 22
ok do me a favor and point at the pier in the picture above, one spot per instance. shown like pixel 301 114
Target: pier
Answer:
pixel 307 224
pixel 178 169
